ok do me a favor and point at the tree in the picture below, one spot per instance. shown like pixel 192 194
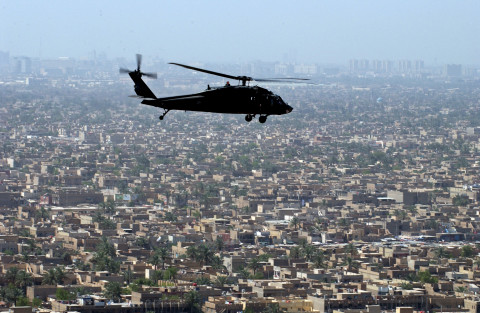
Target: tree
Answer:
pixel 244 273
pixel 54 276
pixel 412 209
pixel 192 252
pixel 23 301
pixel 441 252
pixel 319 259
pixel 203 280
pixel 60 275
pixel 170 217
pixel 170 273
pixel 42 213
pixel 467 251
pixel 127 275
pixel 81 265
pixel 426 277
pixel 63 294
pixel 113 291
pixel 401 214
pixel 351 249
pixel 36 302
pixel 295 252
pixel 197 215
pixel 308 251
pixel 431 224
pixel 217 263
pixel 264 257
pixel 272 308
pixel 192 302
pixel 23 279
pixel 49 277
pixel 142 242
pixel 411 277
pixel 162 255
pixel 460 200
pixel 343 222
pixel 204 253
pixel 110 206
pixel 19 278
pixel 10 293
pixel 154 260
pixel 104 262
pixel 219 244
pixel 351 263
pixel 104 257
pixel 11 274
pixel 221 281
pixel 320 224
pixel 294 222
pixel 104 247
pixel 98 217
pixel 254 265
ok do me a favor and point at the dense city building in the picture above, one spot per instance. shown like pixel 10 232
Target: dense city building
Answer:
pixel 364 199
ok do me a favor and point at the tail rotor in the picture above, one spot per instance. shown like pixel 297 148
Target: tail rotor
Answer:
pixel 138 73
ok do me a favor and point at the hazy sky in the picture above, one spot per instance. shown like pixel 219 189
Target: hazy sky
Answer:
pixel 319 31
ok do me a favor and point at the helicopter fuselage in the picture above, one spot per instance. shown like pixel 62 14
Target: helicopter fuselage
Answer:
pixel 229 99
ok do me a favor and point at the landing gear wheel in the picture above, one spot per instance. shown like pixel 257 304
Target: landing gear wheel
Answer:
pixel 248 118
pixel 262 119
pixel 163 115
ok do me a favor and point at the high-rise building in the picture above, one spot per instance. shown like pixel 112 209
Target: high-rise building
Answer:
pixel 453 70
pixel 353 65
pixel 418 65
pixel 382 66
pixel 377 66
pixel 23 65
pixel 359 65
pixel 387 66
pixel 4 59
pixel 404 66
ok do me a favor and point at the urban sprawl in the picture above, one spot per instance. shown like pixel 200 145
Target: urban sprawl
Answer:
pixel 364 199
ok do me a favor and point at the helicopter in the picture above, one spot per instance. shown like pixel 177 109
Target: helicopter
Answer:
pixel 240 99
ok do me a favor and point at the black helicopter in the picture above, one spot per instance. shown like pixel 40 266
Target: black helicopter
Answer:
pixel 240 99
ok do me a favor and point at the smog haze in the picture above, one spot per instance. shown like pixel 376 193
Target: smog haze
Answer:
pixel 242 31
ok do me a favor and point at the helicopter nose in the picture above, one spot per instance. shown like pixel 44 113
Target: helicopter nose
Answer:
pixel 289 108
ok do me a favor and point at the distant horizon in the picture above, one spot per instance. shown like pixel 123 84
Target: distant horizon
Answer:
pixel 309 32
pixel 155 58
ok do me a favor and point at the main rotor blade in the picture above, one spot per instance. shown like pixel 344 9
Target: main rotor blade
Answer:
pixel 212 72
pixel 151 75
pixel 139 61
pixel 283 80
pixel 124 70
pixel 279 78
pixel 244 79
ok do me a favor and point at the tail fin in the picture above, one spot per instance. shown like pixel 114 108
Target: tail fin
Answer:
pixel 141 89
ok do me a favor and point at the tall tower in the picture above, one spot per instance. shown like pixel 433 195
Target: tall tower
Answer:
pixel 452 70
